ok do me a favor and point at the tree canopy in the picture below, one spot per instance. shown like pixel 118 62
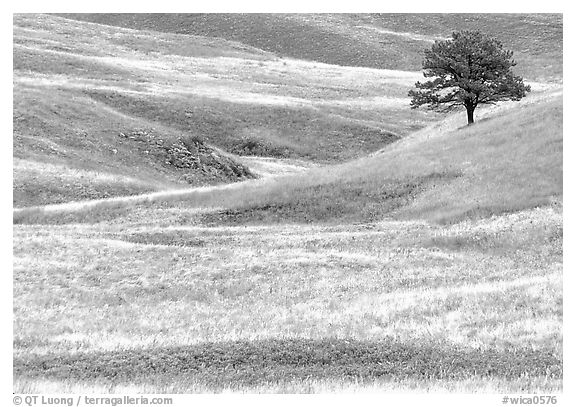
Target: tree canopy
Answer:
pixel 469 69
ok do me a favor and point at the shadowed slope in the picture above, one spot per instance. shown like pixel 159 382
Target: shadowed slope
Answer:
pixel 504 163
pixel 115 101
pixel 391 41
pixel 508 161
pixel 238 364
pixel 78 87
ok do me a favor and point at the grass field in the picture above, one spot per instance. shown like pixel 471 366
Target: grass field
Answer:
pixel 180 302
pixel 79 87
pixel 416 178
pixel 189 308
pixel 384 41
pixel 194 214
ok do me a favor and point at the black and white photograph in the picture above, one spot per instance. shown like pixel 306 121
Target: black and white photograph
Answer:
pixel 287 203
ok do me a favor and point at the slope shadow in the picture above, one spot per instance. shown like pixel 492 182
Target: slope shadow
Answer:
pixel 252 363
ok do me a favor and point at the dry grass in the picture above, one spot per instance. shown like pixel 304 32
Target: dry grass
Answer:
pixel 38 183
pixel 77 86
pixel 483 386
pixel 149 288
pixel 506 162
pixel 363 276
pixel 510 160
pixel 392 41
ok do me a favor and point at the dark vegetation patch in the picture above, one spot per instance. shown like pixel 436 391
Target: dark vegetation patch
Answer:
pixel 253 363
pixel 69 65
pixel 253 146
pixel 38 216
pixel 189 154
pixel 171 238
pixel 33 191
pixel 501 242
pixel 524 244
pixel 478 212
pixel 359 200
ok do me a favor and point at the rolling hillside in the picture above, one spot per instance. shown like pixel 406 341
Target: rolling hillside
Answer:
pixel 201 207
pixel 385 41
pixel 150 110
pixel 510 160
pixel 433 265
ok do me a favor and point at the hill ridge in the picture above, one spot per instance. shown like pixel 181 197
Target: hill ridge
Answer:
pixel 337 38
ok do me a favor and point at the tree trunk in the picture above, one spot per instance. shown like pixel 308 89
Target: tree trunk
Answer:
pixel 470 112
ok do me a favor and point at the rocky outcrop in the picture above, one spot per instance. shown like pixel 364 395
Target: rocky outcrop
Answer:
pixel 196 161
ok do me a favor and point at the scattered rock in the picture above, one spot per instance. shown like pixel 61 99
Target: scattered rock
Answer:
pixel 199 161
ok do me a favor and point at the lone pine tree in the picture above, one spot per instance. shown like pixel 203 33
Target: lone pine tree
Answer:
pixel 469 69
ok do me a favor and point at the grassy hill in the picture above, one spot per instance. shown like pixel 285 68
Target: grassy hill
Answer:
pixel 387 306
pixel 78 87
pixel 334 280
pixel 430 263
pixel 510 160
pixel 89 84
pixel 505 163
pixel 389 41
